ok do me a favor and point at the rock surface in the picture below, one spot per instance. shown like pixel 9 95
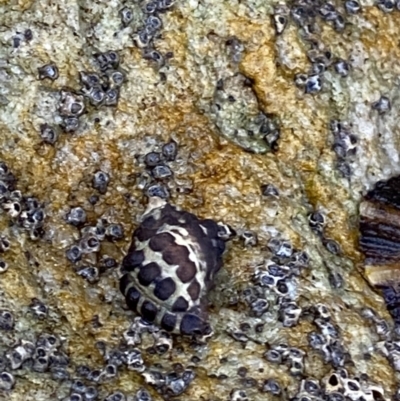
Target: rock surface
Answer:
pixel 328 83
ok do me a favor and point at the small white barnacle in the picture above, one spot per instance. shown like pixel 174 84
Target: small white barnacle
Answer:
pixel 170 266
pixel 280 18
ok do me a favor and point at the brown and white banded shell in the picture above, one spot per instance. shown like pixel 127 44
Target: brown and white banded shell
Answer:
pixel 380 241
pixel 170 266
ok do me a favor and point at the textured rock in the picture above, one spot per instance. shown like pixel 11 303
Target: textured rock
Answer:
pixel 335 142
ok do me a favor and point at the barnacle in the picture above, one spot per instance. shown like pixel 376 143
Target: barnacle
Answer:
pixel 170 266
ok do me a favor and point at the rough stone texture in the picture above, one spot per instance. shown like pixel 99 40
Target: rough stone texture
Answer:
pixel 212 177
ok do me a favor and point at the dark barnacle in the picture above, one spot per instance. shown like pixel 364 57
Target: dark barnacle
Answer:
pixel 20 353
pixel 313 84
pixel 116 396
pixel 89 80
pixel 280 18
pixel 382 105
pixel 152 159
pixel 387 6
pixel 115 78
pixel 95 375
pixel 49 71
pixel 28 35
pixel 271 138
pixel 289 314
pixel 238 395
pixel 143 395
pixel 259 307
pixel 150 7
pixel 328 12
pixel 142 39
pixel 40 360
pixel 76 216
pixel 6 320
pixel 3 190
pixel 269 190
pixel 13 209
pixel 89 243
pixel 271 386
pixel 342 67
pixel 156 190
pixel 274 356
pixel 177 383
pixel 89 273
pixel 96 96
pixel 168 251
pixel 74 254
pixel 100 181
pixel 3 266
pixel 71 104
pixel 70 124
pixel 317 68
pixel 164 5
pixel 331 245
pixel 108 59
pixel 154 55
pixel 134 360
pixel 39 309
pixel 108 263
pixel 344 168
pixel 162 342
pixel 111 97
pixel 352 6
pixel 4 244
pixel 170 150
pixel 316 220
pixel 48 134
pixel 153 24
pixel 300 80
pixel 339 23
pixel 126 16
pixel 48 341
pixel 110 371
pixel 91 393
pixel 311 386
pixel 161 172
pixel 7 381
pixel 249 238
pixel 335 280
pixel 282 249
pixel 115 232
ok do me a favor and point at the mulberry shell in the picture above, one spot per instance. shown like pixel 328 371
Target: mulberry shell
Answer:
pixel 170 266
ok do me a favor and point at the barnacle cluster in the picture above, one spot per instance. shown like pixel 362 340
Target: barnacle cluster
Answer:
pixel 344 145
pixel 309 17
pixel 317 221
pixel 156 179
pixel 26 212
pixel 102 89
pixel 45 354
pixel 238 117
pixel 84 254
pixel 149 32
pixel 96 89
